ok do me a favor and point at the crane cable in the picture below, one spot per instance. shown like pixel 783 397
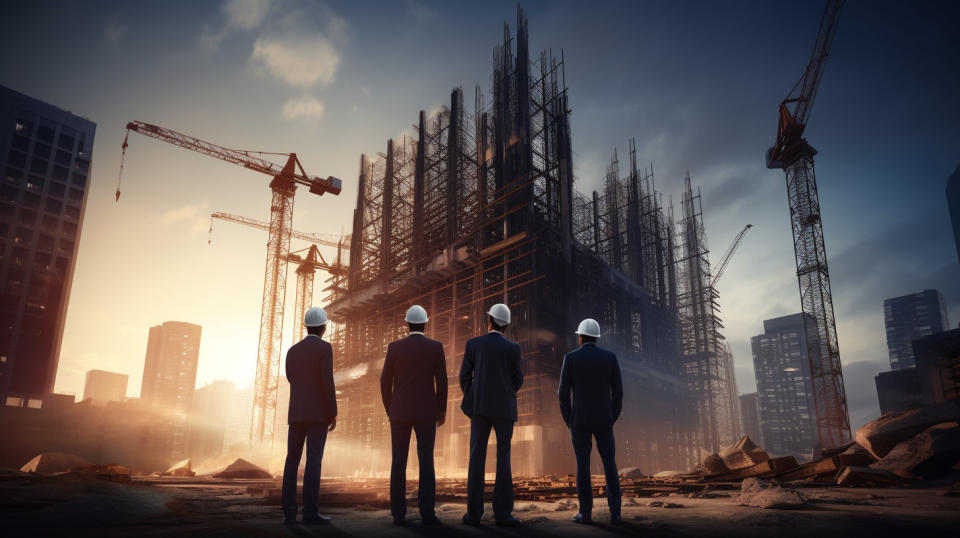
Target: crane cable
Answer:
pixel 123 156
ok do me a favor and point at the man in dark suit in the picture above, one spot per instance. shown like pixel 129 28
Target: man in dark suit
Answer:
pixel 490 377
pixel 312 413
pixel 413 385
pixel 592 374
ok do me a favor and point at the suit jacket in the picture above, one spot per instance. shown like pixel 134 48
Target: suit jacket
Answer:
pixel 592 374
pixel 413 383
pixel 490 377
pixel 309 367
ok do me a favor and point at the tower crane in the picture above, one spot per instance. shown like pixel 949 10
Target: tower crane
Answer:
pixel 283 185
pixel 794 155
pixel 330 240
pixel 729 253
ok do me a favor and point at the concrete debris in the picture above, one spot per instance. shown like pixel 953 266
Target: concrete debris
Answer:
pixel 827 468
pixel 631 501
pixel 666 474
pixel 242 468
pixel 713 465
pixel 766 469
pixel 742 454
pixel 565 504
pixel 180 470
pixel 880 436
pixel 856 476
pixel 855 449
pixel 768 494
pixel 631 472
pixel 928 455
pixel 662 504
pixel 53 462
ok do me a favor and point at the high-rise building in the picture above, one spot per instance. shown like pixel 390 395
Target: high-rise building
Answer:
pixel 750 415
pixel 953 203
pixel 784 387
pixel 45 157
pixel 208 419
pixel 169 377
pixel 102 386
pixel 898 390
pixel 910 317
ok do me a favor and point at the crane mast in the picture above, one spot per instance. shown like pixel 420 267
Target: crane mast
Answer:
pixel 282 186
pixel 794 155
pixel 729 253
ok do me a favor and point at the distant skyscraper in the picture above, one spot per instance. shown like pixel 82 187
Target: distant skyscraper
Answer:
pixel 105 386
pixel 953 202
pixel 209 414
pixel 170 375
pixel 910 317
pixel 750 415
pixel 45 161
pixel 784 388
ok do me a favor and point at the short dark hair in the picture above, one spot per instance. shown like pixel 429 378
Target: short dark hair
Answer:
pixel 418 327
pixel 496 326
pixel 588 338
pixel 318 330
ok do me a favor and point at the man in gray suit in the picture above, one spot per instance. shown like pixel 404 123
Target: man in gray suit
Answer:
pixel 490 377
pixel 312 413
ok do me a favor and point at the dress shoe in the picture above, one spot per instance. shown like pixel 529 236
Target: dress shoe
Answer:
pixel 432 520
pixel 615 519
pixel 508 521
pixel 316 520
pixel 467 520
pixel 582 518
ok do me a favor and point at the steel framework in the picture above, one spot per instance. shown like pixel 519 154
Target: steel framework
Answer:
pixel 480 208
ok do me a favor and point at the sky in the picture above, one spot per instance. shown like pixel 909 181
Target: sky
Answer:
pixel 696 83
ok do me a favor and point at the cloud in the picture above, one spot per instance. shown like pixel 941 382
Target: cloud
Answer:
pixel 419 10
pixel 238 15
pixel 195 217
pixel 303 108
pixel 299 61
pixel 115 30
pixel 245 14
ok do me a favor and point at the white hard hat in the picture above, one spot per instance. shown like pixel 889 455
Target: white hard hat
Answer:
pixel 416 314
pixel 589 327
pixel 315 317
pixel 500 313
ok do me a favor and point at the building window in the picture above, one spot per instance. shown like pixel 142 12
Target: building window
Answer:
pixel 17 158
pixel 13 175
pixel 45 131
pixel 63 158
pixel 67 139
pixel 27 217
pixel 31 200
pixel 38 166
pixel 54 206
pixel 73 212
pixel 41 150
pixel 23 236
pixel 20 142
pixel 59 173
pixel 8 193
pixel 78 179
pixel 49 224
pixel 56 190
pixel 75 196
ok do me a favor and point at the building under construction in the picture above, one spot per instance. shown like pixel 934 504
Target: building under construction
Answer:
pixel 478 208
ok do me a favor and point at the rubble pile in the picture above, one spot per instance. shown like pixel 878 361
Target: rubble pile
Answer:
pixel 920 443
pixel 242 468
pixel 768 494
pixel 181 469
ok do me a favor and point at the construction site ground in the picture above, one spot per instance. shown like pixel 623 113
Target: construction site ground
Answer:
pixel 204 507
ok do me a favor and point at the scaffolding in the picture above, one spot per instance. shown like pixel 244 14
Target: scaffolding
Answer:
pixel 707 361
pixel 479 209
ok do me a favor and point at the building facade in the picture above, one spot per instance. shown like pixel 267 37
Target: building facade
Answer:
pixel 899 390
pixel 909 317
pixel 102 386
pixel 210 411
pixel 45 159
pixel 750 416
pixel 169 378
pixel 953 204
pixel 784 387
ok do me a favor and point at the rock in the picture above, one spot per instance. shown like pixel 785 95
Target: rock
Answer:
pixel 928 455
pixel 631 472
pixel 742 454
pixel 564 505
pixel 631 501
pixel 180 469
pixel 668 474
pixel 856 476
pixel 53 462
pixel 767 494
pixel 880 436
pixel 242 468
pixel 713 464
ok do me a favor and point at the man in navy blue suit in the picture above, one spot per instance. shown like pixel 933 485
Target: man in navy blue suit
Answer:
pixel 592 375
pixel 490 377
pixel 413 386
pixel 312 413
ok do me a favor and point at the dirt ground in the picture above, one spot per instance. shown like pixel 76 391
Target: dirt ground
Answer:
pixel 96 508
